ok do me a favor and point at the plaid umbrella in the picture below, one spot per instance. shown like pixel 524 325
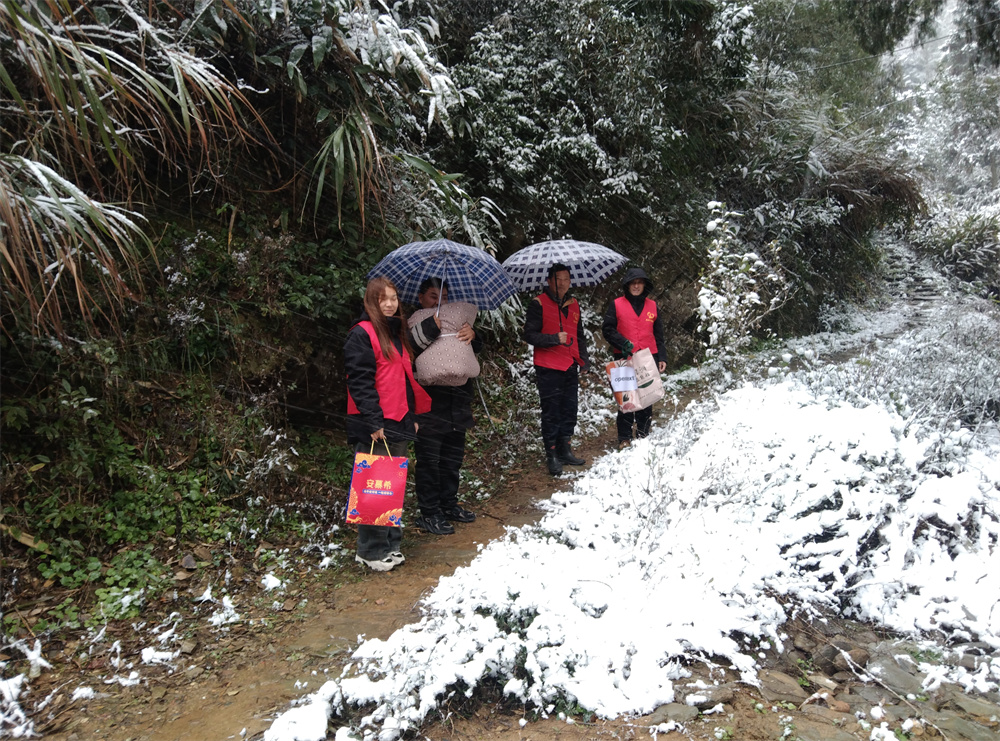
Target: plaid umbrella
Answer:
pixel 589 264
pixel 469 273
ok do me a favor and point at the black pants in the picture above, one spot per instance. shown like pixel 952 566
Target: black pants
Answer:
pixel 439 462
pixel 557 392
pixel 642 419
pixel 375 542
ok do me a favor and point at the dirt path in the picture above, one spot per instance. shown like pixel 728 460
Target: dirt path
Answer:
pixel 233 683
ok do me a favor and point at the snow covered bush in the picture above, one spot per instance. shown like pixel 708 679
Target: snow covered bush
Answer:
pixel 868 487
pixel 823 499
pixel 596 116
pixel 739 288
pixel 965 243
pixel 943 376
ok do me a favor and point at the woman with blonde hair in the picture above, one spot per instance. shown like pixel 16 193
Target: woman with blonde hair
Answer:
pixel 382 400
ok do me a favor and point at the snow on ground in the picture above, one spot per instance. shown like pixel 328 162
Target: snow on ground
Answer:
pixel 869 487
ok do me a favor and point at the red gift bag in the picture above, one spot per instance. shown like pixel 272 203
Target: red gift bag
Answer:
pixel 377 486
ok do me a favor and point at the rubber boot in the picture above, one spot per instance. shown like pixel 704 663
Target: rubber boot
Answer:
pixel 552 461
pixel 566 456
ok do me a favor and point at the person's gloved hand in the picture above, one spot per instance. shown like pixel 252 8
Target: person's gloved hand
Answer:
pixel 628 347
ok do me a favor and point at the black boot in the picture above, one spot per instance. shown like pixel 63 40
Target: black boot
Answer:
pixel 566 456
pixel 552 461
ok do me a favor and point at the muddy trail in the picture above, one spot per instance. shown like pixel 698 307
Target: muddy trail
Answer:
pixel 232 684
pixel 835 680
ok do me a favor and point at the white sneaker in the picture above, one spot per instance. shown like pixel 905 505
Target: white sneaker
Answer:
pixel 383 564
pixel 397 558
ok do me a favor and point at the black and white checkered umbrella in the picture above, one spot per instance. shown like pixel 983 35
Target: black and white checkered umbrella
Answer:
pixel 589 263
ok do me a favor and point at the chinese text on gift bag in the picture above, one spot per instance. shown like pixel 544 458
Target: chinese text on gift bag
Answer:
pixel 377 486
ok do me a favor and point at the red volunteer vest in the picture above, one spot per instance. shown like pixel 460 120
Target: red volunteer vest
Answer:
pixel 559 357
pixel 637 329
pixel 391 377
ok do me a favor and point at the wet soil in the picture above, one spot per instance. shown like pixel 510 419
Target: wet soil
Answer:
pixel 233 683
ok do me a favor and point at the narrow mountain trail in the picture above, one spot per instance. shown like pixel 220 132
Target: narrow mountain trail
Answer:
pixel 232 683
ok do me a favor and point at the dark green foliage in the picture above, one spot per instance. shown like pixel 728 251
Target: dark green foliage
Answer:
pixel 881 24
pixel 615 121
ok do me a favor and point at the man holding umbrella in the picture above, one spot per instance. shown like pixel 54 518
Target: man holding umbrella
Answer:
pixel 552 327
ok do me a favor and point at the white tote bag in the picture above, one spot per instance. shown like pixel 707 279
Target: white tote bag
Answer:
pixel 647 376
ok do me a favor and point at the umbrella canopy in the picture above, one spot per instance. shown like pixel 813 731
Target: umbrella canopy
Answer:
pixel 469 273
pixel 589 263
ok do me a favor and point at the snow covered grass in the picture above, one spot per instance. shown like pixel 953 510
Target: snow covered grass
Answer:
pixel 868 488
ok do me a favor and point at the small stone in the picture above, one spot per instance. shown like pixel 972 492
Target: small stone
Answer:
pixel 838 705
pixel 960 729
pixel 871 694
pixel 821 680
pixel 973 705
pixel 856 657
pixel 820 711
pixel 889 671
pixel 968 662
pixel 708 697
pixel 866 637
pixel 818 727
pixel 779 687
pixel 897 713
pixel 188 646
pixel 674 711
pixel 827 654
pixel 189 563
pixel 803 642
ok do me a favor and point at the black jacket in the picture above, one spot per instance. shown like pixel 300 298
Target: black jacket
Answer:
pixel 359 365
pixel 451 406
pixel 533 328
pixel 610 326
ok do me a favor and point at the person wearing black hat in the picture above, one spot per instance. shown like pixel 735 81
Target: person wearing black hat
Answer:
pixel 632 323
pixel 552 327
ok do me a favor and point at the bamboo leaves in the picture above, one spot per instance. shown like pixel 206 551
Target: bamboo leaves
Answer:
pixel 58 243
pixel 95 93
pixel 349 154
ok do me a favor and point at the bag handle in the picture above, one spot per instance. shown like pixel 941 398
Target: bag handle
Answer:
pixel 386 442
